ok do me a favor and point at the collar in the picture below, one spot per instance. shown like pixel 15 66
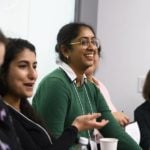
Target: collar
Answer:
pixel 70 73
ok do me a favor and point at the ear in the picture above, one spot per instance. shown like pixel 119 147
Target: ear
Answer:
pixel 64 51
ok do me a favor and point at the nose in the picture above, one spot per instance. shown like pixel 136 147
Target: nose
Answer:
pixel 32 73
pixel 91 45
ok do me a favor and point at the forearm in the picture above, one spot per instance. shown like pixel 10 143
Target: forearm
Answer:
pixel 66 140
pixel 113 129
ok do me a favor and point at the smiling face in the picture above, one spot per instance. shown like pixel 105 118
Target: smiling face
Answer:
pixel 81 57
pixel 91 70
pixel 22 75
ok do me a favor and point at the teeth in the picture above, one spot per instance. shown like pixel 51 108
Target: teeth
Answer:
pixel 90 55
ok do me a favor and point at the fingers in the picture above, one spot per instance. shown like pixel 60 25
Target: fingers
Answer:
pixel 91 116
pixel 85 122
pixel 101 124
pixel 124 121
pixel 121 118
pixel 94 116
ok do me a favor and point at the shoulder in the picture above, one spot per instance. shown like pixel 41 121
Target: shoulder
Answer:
pixel 58 75
pixel 144 107
pixel 4 113
pixel 92 89
pixel 91 85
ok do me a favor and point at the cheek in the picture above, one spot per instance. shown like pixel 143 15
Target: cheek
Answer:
pixel 36 75
pixel 15 79
pixel 13 82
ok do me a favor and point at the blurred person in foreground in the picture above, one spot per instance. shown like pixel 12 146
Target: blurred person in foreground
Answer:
pixel 8 137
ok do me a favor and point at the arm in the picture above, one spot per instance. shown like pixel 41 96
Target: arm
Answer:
pixel 66 140
pixel 113 129
pixel 51 102
pixel 142 117
pixel 106 95
pixel 122 118
pixel 8 136
pixel 81 123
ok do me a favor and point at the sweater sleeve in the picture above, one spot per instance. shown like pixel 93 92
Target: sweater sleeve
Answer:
pixel 51 102
pixel 113 129
pixel 66 140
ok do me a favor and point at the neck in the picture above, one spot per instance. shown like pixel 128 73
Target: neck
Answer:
pixel 14 102
pixel 79 81
pixel 90 78
pixel 79 74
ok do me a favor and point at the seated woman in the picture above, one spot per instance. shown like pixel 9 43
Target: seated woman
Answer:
pixel 65 93
pixel 142 113
pixel 18 76
pixel 8 138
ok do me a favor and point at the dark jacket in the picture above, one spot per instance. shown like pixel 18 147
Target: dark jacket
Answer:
pixel 34 137
pixel 8 137
pixel 142 116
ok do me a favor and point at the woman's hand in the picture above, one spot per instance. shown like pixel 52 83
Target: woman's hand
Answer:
pixel 121 118
pixel 85 122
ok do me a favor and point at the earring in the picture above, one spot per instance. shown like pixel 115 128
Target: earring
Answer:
pixel 67 56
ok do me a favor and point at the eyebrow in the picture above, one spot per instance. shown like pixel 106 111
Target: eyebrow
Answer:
pixel 25 61
pixel 85 37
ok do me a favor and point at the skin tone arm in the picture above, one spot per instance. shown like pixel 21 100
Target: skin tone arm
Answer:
pixel 122 118
pixel 86 122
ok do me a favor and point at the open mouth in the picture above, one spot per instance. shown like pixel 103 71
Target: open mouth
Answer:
pixel 90 56
pixel 29 85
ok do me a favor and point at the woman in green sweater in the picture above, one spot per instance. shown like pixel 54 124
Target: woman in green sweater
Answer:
pixel 65 93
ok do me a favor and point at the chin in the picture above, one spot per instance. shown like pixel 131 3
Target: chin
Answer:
pixel 89 65
pixel 28 95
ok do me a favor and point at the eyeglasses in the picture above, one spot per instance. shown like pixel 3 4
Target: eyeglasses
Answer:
pixel 85 42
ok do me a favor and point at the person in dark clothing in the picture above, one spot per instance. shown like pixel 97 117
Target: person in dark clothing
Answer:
pixel 18 76
pixel 142 115
pixel 8 137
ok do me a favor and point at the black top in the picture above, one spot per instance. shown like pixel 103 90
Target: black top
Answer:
pixel 8 138
pixel 142 116
pixel 34 137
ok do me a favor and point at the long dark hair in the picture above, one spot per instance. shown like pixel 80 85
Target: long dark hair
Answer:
pixel 146 87
pixel 66 34
pixel 3 39
pixel 13 47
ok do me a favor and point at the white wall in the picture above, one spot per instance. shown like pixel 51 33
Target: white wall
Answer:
pixel 124 29
pixel 14 17
pixel 46 18
pixel 39 22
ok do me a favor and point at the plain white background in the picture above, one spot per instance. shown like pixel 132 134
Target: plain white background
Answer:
pixel 39 22
pixel 124 30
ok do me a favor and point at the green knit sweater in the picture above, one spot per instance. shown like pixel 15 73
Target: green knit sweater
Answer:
pixel 59 102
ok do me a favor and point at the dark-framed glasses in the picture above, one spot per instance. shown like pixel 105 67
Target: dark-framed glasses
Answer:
pixel 85 42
